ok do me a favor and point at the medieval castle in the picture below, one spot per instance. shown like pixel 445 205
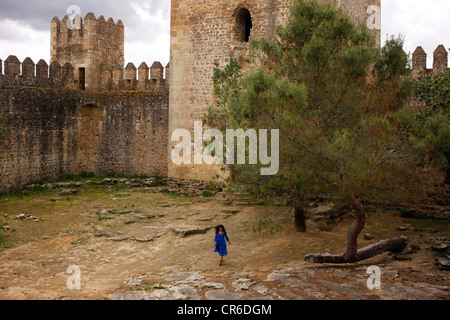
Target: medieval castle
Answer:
pixel 86 111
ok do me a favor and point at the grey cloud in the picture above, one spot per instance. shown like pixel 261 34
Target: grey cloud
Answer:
pixel 39 13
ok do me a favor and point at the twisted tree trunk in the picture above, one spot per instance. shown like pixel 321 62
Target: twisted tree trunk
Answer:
pixel 353 254
pixel 355 230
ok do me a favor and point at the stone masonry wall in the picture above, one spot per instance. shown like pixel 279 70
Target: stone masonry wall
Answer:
pixel 94 44
pixel 55 132
pixel 41 75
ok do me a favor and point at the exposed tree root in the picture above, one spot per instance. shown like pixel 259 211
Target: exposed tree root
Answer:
pixel 391 245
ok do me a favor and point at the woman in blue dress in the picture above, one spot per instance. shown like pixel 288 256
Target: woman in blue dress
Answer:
pixel 219 241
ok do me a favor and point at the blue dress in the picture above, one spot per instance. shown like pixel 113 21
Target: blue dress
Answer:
pixel 221 245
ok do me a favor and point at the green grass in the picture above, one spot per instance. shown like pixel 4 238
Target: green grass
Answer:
pixel 267 226
pixel 207 194
pixel 176 194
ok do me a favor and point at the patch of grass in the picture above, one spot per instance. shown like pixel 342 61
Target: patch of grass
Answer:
pixel 41 181
pixel 114 175
pixel 267 225
pixel 176 194
pixel 121 195
pixel 207 194
pixel 135 289
pixel 100 217
pixel 78 241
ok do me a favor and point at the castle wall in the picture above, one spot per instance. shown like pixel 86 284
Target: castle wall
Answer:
pixel 204 35
pixel 55 76
pixel 51 133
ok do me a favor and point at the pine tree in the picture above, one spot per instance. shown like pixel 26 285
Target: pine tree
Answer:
pixel 334 96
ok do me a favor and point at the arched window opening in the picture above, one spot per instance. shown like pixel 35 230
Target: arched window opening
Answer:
pixel 244 25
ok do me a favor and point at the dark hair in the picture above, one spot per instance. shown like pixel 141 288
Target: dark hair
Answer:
pixel 220 226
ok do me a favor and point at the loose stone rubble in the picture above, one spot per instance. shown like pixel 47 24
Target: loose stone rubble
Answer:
pixel 299 281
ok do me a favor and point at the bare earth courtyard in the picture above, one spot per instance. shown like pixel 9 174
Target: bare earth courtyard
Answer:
pixel 147 243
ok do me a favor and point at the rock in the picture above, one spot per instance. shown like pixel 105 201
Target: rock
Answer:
pixel 259 288
pixel 195 259
pixel 402 228
pixel 136 281
pixel 242 284
pixel 63 184
pixel 131 295
pixel 6 228
pixel 183 276
pixel 187 231
pixel 368 236
pixel 20 216
pixel 399 291
pixel 222 295
pixel 316 294
pixel 285 278
pixel 324 226
pixel 212 285
pixel 102 234
pixel 289 295
pixel 261 298
pixel 440 247
pixel 352 291
pixel 137 239
pixel 411 248
pixel 402 257
pixel 69 192
pixel 437 291
pixel 443 263
pixel 181 292
pixel 118 239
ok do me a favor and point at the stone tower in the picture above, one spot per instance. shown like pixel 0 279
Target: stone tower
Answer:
pixel 205 34
pixel 94 47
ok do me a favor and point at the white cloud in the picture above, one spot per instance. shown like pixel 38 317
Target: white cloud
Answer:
pixel 422 23
pixel 23 41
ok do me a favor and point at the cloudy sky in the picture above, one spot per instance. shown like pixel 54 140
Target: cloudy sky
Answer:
pixel 25 25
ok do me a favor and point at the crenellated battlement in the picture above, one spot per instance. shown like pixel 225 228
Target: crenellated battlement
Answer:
pixel 78 23
pixel 93 46
pixel 14 73
pixel 77 30
pixel 86 54
pixel 419 60
pixel 143 78
pixel 40 75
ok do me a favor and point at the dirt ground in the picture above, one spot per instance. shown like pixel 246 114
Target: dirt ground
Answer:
pixel 114 234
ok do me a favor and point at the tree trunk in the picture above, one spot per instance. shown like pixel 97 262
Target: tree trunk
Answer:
pixel 391 245
pixel 299 219
pixel 353 254
pixel 355 230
